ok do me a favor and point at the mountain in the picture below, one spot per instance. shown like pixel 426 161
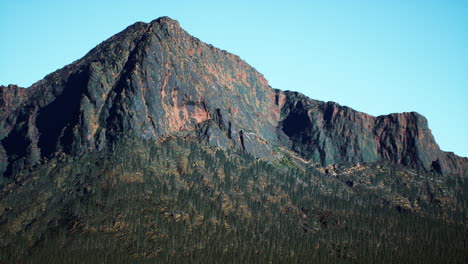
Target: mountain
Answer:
pixel 84 134
pixel 156 80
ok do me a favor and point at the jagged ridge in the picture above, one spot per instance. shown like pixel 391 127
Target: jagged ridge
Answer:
pixel 154 80
pixel 328 133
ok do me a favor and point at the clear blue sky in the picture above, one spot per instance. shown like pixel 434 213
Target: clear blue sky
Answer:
pixel 377 57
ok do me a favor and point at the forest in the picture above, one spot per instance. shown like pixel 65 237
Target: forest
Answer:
pixel 179 201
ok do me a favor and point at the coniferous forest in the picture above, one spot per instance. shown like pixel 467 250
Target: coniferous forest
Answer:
pixel 179 201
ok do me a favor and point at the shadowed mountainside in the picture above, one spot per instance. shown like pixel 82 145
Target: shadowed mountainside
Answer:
pixel 158 148
pixel 328 133
pixel 154 80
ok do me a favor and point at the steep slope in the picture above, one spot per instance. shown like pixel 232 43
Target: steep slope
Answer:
pixel 179 201
pixel 328 133
pixel 11 97
pixel 154 80
pixel 156 147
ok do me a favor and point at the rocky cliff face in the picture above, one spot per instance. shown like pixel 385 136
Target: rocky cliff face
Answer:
pixel 328 133
pixel 11 97
pixel 154 80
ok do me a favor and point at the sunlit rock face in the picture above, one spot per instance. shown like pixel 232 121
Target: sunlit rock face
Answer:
pixel 154 80
pixel 328 133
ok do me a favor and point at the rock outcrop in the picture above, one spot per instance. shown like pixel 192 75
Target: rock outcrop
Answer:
pixel 328 133
pixel 154 80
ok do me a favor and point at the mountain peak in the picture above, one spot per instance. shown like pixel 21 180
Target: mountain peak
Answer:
pixel 166 25
pixel 154 80
pixel 157 147
pixel 166 20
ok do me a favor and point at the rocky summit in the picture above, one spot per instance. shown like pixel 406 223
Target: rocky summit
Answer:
pixel 155 80
pixel 155 83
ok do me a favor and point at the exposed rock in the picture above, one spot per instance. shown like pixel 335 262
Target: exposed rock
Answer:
pixel 154 80
pixel 11 97
pixel 328 133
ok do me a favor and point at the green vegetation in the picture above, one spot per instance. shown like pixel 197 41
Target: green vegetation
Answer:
pixel 179 202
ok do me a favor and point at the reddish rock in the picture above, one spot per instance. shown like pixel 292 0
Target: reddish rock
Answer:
pixel 328 133
pixel 154 80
